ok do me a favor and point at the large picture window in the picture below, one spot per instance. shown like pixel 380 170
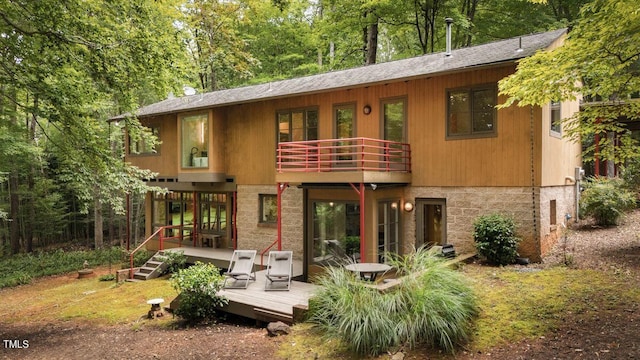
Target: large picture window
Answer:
pixel 195 141
pixel 297 125
pixel 471 112
pixel 335 231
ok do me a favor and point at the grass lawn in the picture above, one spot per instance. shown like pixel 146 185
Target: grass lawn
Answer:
pixel 516 304
pixel 66 297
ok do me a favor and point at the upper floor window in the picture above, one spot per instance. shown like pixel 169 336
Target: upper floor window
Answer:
pixel 393 119
pixel 556 127
pixel 471 112
pixel 297 125
pixel 141 147
pixel 195 141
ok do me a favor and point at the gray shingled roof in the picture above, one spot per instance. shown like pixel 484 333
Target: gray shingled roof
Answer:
pixel 427 65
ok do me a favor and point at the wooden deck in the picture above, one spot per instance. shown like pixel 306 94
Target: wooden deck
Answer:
pixel 254 302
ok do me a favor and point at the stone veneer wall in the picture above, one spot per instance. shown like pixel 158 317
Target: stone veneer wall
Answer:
pixel 565 204
pixel 465 204
pixel 254 235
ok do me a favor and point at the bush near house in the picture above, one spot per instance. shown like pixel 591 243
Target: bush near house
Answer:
pixel 198 286
pixel 495 238
pixel 606 200
pixel 434 305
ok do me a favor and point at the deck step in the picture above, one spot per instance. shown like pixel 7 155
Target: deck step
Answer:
pixel 152 268
pixel 266 315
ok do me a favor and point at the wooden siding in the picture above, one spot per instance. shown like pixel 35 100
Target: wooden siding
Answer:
pixel 246 150
pixel 556 169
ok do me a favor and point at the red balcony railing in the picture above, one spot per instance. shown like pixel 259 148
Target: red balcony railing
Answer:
pixel 353 154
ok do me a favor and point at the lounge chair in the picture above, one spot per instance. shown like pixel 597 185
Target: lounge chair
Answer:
pixel 279 271
pixel 240 269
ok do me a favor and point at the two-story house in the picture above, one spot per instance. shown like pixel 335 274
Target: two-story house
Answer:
pixel 365 161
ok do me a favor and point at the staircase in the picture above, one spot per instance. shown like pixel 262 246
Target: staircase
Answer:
pixel 152 268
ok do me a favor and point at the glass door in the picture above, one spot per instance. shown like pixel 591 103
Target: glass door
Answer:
pixel 431 222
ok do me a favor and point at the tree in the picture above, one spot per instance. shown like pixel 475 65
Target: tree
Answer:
pixel 70 67
pixel 217 48
pixel 600 59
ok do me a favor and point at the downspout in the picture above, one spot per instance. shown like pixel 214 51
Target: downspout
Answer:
pixel 536 235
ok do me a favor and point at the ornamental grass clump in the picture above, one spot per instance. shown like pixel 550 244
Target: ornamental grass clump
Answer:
pixel 433 305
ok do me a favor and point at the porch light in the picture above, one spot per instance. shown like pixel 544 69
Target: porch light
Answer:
pixel 408 206
pixel 366 109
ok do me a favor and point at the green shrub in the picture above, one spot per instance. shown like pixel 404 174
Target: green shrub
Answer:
pixel 21 268
pixel 140 257
pixel 198 286
pixel 605 200
pixel 107 277
pixel 496 239
pixel 433 306
pixel 630 174
pixel 175 261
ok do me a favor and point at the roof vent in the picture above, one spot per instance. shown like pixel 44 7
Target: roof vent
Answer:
pixel 519 49
pixel 449 21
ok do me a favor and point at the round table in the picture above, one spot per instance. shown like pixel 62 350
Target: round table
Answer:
pixel 368 271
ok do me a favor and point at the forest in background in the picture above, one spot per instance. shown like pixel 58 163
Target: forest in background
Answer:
pixel 67 67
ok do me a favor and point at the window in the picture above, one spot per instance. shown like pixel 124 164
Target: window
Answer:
pixel 344 125
pixel 552 212
pixel 213 212
pixel 141 147
pixel 335 230
pixel 195 141
pixel 556 128
pixel 297 125
pixel 268 208
pixel 471 112
pixel 393 119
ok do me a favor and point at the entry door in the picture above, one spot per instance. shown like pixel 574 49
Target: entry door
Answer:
pixel 431 222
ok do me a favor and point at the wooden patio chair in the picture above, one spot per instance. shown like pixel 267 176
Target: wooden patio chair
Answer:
pixel 279 271
pixel 240 269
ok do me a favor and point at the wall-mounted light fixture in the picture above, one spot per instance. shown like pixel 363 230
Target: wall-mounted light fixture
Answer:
pixel 408 206
pixel 366 109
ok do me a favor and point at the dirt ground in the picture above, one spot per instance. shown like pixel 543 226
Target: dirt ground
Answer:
pixel 609 333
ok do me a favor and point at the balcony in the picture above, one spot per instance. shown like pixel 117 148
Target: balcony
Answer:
pixel 352 160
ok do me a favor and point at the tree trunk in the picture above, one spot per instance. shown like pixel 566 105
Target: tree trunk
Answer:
pixel 97 218
pixel 31 208
pixel 14 224
pixel 372 43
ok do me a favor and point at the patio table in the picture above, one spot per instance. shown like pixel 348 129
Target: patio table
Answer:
pixel 368 271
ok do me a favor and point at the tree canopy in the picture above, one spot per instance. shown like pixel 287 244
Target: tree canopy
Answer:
pixel 67 67
pixel 600 62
